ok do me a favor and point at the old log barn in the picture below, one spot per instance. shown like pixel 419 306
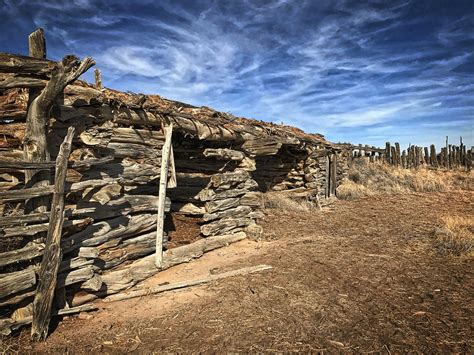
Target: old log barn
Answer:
pixel 87 172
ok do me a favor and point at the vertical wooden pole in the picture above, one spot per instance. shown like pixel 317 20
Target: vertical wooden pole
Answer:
pixel 165 156
pixel 447 154
pixel 397 152
pixel 433 158
pixel 38 152
pixel 387 152
pixel 426 156
pixel 98 79
pixel 404 159
pixel 333 180
pixel 393 155
pixel 52 252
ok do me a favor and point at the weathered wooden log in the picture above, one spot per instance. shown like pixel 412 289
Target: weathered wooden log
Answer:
pixel 397 154
pixel 226 225
pixel 237 212
pixel 17 64
pixel 98 79
pixel 254 199
pixel 52 254
pixel 426 156
pixel 221 205
pixel 24 194
pixel 227 180
pixel 22 219
pixel 388 152
pixel 8 325
pixel 183 284
pixel 26 253
pixel 15 282
pixel 224 154
pixel 262 146
pixel 433 157
pixel 31 230
pixel 117 228
pixel 119 280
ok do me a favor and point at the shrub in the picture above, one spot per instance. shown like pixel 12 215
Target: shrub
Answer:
pixel 455 235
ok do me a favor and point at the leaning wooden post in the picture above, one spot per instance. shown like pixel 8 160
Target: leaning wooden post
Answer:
pixel 447 153
pixel 52 252
pixel 393 155
pixel 165 157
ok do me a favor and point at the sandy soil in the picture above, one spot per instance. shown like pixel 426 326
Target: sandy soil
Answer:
pixel 361 276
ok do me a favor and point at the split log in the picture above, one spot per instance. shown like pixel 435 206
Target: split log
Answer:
pixel 227 180
pixel 224 154
pixel 183 284
pixel 119 280
pixel 19 220
pixel 22 65
pixel 223 226
pixel 237 212
pixel 262 146
pixel 15 282
pixel 8 325
pixel 26 253
pixel 25 194
pixel 220 205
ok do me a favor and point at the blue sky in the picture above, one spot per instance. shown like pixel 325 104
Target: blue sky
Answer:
pixel 358 71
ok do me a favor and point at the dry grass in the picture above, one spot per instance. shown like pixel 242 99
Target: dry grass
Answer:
pixel 455 235
pixel 276 200
pixel 366 179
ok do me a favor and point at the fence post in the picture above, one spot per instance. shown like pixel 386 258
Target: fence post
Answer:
pixel 433 158
pixel 165 157
pixel 387 152
pixel 52 252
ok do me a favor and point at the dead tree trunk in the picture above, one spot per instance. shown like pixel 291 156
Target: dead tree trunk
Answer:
pixel 52 254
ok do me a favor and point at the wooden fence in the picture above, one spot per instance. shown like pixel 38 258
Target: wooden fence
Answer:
pixel 449 157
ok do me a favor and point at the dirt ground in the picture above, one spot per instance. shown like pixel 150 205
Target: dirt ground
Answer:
pixel 361 276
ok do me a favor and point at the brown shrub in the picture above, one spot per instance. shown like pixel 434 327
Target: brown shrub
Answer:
pixel 276 200
pixel 455 235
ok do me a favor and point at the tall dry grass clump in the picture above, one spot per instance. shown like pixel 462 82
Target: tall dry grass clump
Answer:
pixel 455 235
pixel 277 200
pixel 365 179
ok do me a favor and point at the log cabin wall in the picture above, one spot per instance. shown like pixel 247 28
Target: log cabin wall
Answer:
pixel 222 163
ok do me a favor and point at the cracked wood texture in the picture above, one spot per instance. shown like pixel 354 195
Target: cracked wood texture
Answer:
pixel 52 254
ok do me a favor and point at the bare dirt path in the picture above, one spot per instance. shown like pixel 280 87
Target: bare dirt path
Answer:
pixel 362 276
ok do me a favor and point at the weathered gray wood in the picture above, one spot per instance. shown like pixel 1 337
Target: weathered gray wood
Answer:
pixel 21 219
pixel 8 325
pixel 26 253
pixel 433 157
pixel 226 225
pixel 14 282
pixel 98 79
pixel 35 146
pixel 189 283
pixel 52 254
pixel 224 154
pixel 397 154
pixel 221 205
pixel 388 152
pixel 24 194
pixel 162 194
pixel 237 212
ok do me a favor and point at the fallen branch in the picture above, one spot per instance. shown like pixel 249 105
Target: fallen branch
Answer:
pixel 183 284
